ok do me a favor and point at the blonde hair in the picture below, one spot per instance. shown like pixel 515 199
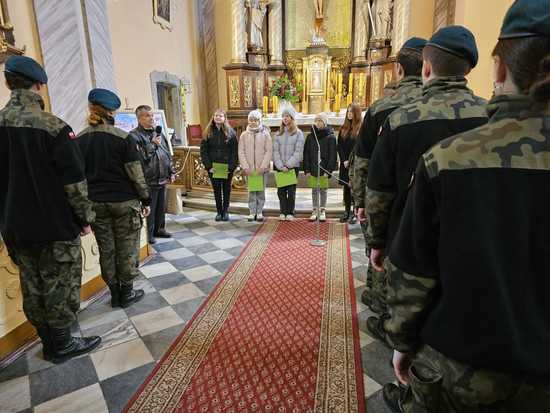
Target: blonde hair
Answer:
pixel 226 127
pixel 97 114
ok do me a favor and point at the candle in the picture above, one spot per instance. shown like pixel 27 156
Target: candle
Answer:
pixel 349 99
pixel 276 104
pixel 273 104
pixel 350 85
pixel 340 83
pixel 265 105
pixel 337 102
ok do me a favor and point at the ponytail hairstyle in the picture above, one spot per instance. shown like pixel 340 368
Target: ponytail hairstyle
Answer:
pixel 528 60
pixel 226 127
pixel 98 114
pixel 353 125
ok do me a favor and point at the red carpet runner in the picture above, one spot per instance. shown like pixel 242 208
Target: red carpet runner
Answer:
pixel 278 334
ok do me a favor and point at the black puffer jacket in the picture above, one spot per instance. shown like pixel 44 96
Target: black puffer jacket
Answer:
pixel 157 160
pixel 327 142
pixel 221 149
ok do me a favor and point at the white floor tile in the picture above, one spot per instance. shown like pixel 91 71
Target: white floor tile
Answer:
pixel 176 254
pixel 181 293
pixel 216 256
pixel 15 395
pixel 370 386
pixel 86 400
pixel 227 243
pixel 156 270
pixel 157 320
pixel 186 242
pixel 201 273
pixel 205 230
pixel 120 359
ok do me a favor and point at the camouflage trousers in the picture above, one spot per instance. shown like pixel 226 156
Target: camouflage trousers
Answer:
pixel 376 281
pixel 441 385
pixel 117 229
pixel 50 282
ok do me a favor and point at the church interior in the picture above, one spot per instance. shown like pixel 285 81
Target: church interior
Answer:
pixel 238 316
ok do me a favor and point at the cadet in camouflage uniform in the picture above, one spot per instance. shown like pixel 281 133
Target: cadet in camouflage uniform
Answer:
pixel 468 292
pixel 43 209
pixel 446 107
pixel 119 192
pixel 408 88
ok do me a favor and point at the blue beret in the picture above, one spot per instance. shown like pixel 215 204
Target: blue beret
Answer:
pixel 458 41
pixel 105 98
pixel 25 66
pixel 415 43
pixel 526 18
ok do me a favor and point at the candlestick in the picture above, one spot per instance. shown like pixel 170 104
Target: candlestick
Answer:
pixel 339 83
pixel 337 103
pixel 350 85
pixel 265 105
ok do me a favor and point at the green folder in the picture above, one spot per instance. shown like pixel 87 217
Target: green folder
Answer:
pixel 221 170
pixel 287 178
pixel 312 182
pixel 255 183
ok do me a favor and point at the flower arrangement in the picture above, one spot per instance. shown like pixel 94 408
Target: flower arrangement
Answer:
pixel 285 89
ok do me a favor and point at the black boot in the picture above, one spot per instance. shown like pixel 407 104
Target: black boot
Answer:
pixel 225 216
pixel 115 295
pixel 218 217
pixel 352 219
pixel 44 334
pixel 393 396
pixel 345 217
pixel 129 296
pixel 65 347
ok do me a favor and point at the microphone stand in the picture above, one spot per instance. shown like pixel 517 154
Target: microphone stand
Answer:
pixel 318 242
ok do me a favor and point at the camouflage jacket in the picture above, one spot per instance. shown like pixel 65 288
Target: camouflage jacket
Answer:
pixel 113 165
pixel 43 191
pixel 461 281
pixel 406 91
pixel 447 107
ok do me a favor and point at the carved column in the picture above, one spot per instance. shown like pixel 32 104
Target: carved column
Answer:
pixel 361 32
pixel 276 32
pixel 238 27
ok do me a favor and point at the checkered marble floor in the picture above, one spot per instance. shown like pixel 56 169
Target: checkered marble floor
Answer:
pixel 176 280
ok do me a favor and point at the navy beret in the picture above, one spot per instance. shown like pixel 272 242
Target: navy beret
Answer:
pixel 526 18
pixel 25 66
pixel 105 98
pixel 415 43
pixel 458 41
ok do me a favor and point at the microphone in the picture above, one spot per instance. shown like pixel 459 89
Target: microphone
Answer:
pixel 158 130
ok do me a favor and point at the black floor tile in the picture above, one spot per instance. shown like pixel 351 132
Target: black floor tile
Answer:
pixel 376 404
pixel 184 234
pixel 164 282
pixel 376 362
pixel 166 246
pixel 223 266
pixel 235 251
pixel 187 309
pixel 62 379
pixel 151 302
pixel 18 368
pixel 187 263
pixel 159 342
pixel 206 286
pixel 119 389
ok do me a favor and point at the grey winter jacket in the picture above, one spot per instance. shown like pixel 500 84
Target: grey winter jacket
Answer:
pixel 288 150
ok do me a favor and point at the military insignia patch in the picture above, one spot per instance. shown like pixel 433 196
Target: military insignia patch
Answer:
pixel 72 136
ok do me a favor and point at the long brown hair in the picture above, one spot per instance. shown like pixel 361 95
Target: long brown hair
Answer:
pixel 98 114
pixel 352 125
pixel 226 127
pixel 291 127
pixel 528 60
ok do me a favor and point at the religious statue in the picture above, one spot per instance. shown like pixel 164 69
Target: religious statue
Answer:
pixel 257 10
pixel 382 11
pixel 319 13
pixel 317 34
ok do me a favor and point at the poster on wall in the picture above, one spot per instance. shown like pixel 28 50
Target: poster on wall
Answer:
pixel 162 13
pixel 127 120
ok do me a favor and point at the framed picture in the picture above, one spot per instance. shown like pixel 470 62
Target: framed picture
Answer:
pixel 162 13
pixel 127 120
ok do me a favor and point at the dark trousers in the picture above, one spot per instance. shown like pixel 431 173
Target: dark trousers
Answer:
pixel 222 192
pixel 156 220
pixel 287 198
pixel 347 198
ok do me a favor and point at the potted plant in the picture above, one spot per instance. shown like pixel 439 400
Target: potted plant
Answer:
pixel 287 92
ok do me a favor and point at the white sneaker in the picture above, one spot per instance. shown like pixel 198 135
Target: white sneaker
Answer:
pixel 323 216
pixel 259 217
pixel 290 217
pixel 313 216
pixel 250 218
pixel 282 217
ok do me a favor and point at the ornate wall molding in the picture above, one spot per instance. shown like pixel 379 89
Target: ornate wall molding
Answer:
pixel 207 35
pixel 444 13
